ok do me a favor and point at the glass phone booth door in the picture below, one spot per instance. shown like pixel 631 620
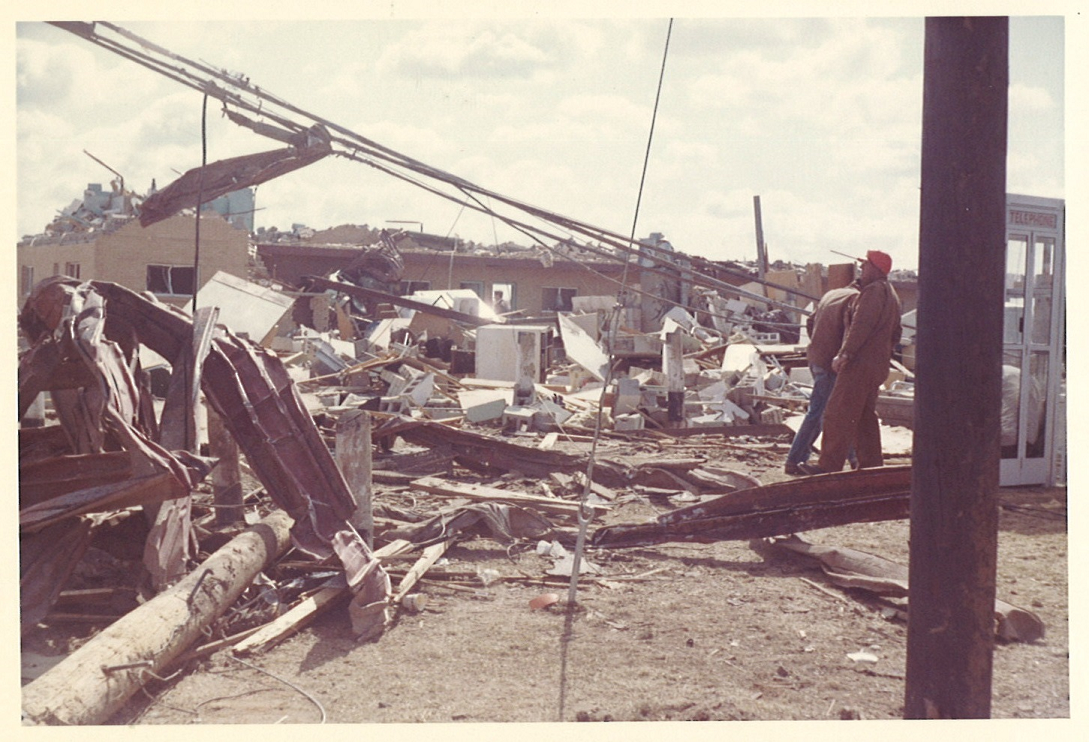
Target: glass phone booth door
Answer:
pixel 1033 350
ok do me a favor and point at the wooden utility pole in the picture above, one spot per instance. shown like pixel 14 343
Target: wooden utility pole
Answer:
pixel 958 382
pixel 96 680
pixel 761 246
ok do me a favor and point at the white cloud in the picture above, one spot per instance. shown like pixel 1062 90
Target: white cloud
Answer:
pixel 1030 98
pixel 821 117
pixel 466 51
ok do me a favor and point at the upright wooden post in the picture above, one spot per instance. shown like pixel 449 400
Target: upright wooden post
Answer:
pixel 954 516
pixel 528 364
pixel 227 476
pixel 353 456
pixel 673 366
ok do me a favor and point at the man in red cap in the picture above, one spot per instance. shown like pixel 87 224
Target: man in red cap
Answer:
pixel 861 366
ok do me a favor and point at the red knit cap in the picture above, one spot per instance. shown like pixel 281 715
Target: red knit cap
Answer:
pixel 881 260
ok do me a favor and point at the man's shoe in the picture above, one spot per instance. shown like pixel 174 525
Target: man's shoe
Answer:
pixel 793 469
pixel 810 469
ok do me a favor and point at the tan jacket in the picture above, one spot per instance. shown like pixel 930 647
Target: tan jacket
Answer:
pixel 873 326
pixel 826 326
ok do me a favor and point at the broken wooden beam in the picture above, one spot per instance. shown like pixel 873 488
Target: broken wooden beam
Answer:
pixel 483 452
pixel 431 555
pixel 479 492
pixel 778 509
pixel 97 679
pixel 306 610
pixel 358 292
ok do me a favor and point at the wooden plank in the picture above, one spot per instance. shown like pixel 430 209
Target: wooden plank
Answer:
pixel 306 610
pixel 431 555
pixel 446 488
pixel 296 618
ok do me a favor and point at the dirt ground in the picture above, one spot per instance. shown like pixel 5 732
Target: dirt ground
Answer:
pixel 722 631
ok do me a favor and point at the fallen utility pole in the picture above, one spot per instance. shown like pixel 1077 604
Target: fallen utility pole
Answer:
pixel 958 386
pixel 779 509
pixel 99 677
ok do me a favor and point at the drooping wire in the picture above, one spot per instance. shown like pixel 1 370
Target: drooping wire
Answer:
pixel 235 90
pixel 584 511
pixel 200 198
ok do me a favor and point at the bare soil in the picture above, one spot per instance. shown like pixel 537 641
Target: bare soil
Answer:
pixel 722 631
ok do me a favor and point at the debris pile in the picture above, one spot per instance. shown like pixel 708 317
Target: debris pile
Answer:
pixel 99 211
pixel 460 417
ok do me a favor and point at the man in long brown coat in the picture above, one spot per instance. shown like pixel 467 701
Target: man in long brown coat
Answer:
pixel 861 366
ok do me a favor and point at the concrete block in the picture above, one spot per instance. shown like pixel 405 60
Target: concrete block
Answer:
pixel 481 405
pixel 628 421
pixel 518 417
pixel 709 420
pixel 549 414
pixel 628 396
pixel 801 375
pixel 772 416
pixel 737 358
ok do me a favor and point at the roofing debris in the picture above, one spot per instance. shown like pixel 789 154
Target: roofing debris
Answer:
pixel 453 451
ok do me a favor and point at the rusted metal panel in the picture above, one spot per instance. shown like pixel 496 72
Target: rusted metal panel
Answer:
pixel 252 392
pixel 135 490
pixel 217 178
pixel 46 559
pixel 58 475
pixel 170 544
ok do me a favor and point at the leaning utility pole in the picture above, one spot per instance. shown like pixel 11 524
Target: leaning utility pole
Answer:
pixel 958 381
pixel 761 246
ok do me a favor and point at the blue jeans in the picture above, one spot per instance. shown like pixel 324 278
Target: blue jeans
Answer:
pixel 823 381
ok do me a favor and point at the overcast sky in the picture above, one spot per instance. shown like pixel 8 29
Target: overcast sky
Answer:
pixel 819 117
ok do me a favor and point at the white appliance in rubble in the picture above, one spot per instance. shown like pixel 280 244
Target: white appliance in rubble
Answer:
pixel 1033 349
pixel 506 352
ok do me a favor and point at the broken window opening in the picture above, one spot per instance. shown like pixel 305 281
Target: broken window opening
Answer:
pixel 507 290
pixel 407 288
pixel 170 279
pixel 26 279
pixel 557 299
pixel 71 270
pixel 477 287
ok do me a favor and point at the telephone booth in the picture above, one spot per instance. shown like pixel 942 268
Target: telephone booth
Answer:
pixel 1034 344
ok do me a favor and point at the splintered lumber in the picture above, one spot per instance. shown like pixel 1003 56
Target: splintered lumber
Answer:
pixel 431 555
pixel 306 610
pixel 778 509
pixel 484 452
pixel 98 678
pixel 438 486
